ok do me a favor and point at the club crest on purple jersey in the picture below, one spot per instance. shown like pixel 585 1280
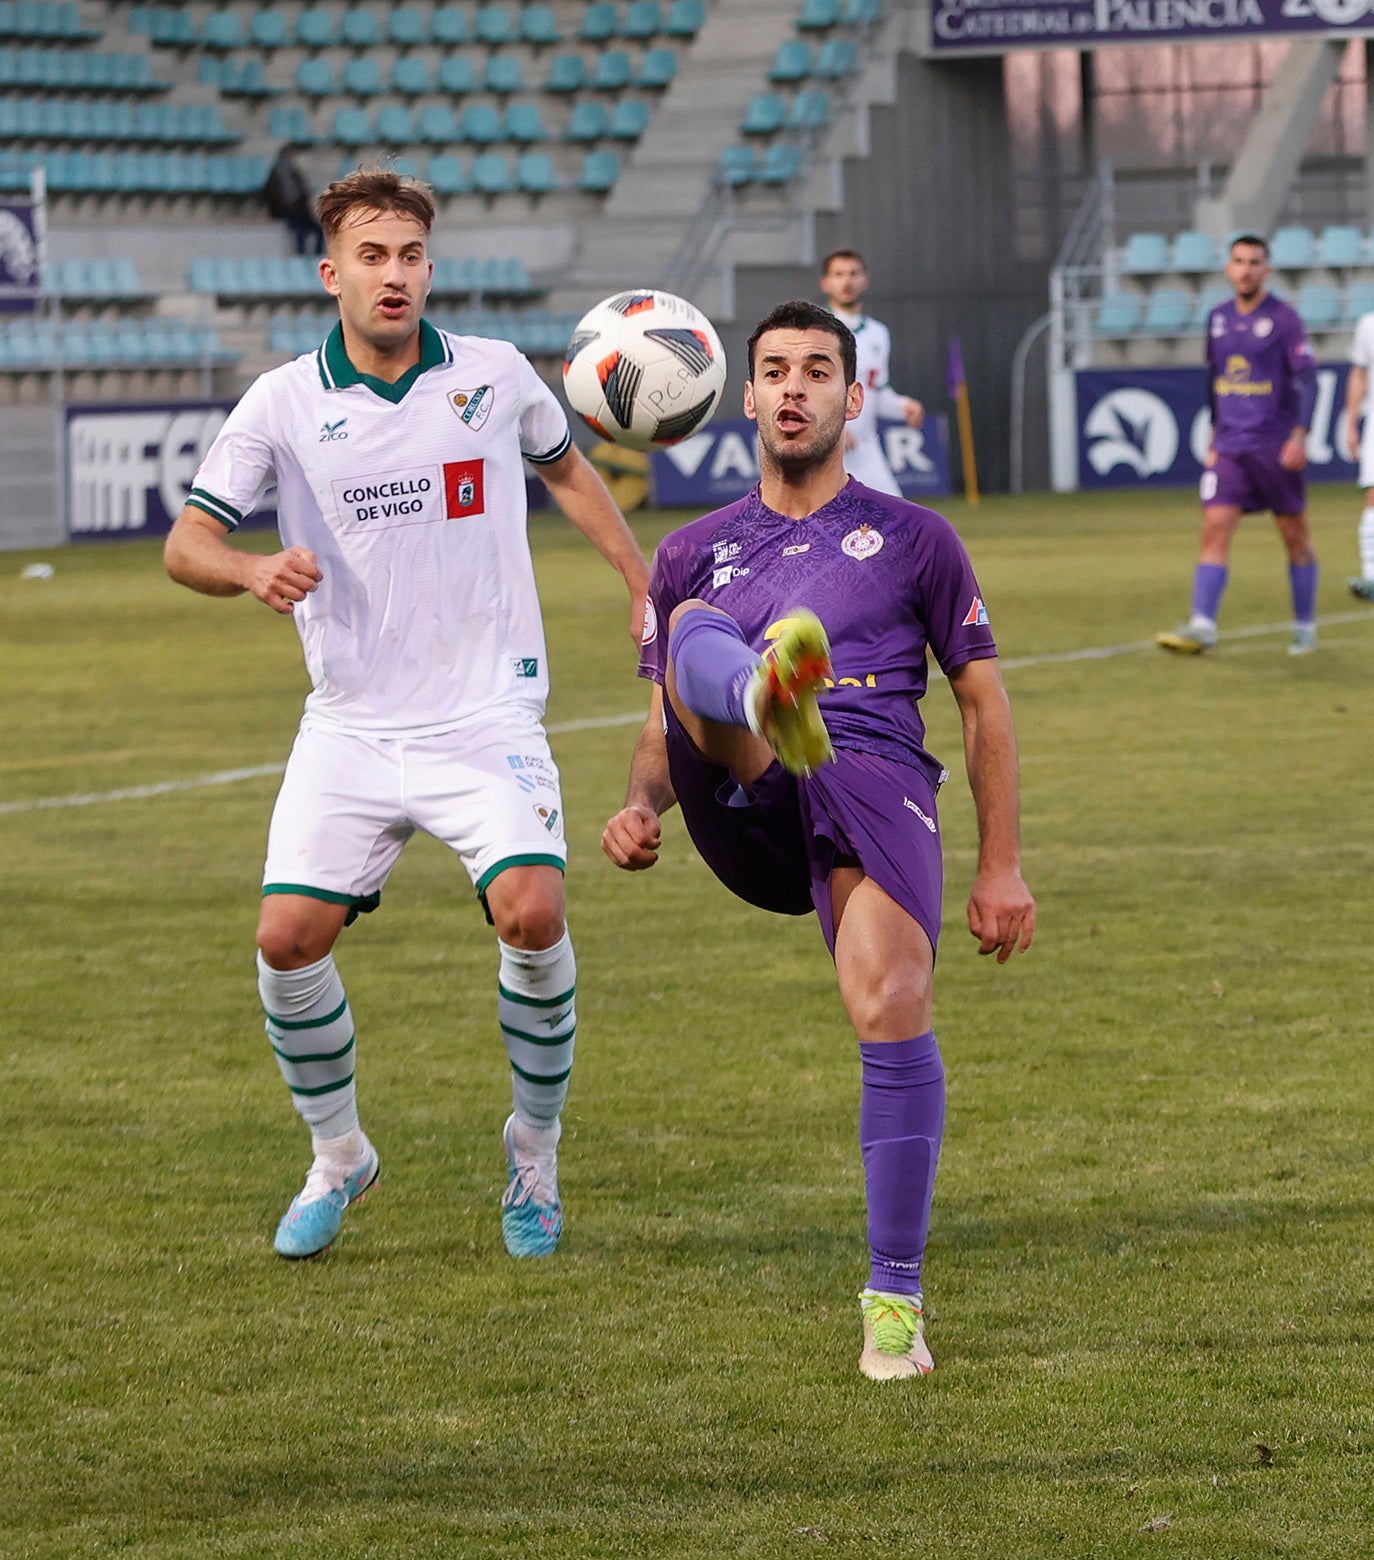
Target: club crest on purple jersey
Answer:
pixel 862 543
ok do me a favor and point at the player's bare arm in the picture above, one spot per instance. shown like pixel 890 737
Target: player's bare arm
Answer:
pixel 1001 912
pixel 1355 388
pixel 583 497
pixel 631 839
pixel 1293 455
pixel 197 555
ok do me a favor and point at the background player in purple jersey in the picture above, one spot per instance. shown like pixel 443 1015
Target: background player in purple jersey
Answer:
pixel 855 837
pixel 1261 387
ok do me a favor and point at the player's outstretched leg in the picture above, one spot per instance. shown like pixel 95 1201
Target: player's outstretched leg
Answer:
pixel 310 1027
pixel 901 1123
pixel 537 992
pixel 1199 633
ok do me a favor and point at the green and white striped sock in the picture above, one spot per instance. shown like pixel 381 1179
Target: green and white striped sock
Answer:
pixel 538 1015
pixel 310 1027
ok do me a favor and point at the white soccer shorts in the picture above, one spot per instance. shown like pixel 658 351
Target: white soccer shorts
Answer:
pixel 349 802
pixel 866 463
pixel 1367 453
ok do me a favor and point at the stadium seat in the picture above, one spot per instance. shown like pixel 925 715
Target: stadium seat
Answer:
pixel 589 121
pixel 480 123
pixel 810 111
pixel 406 167
pixel 1119 314
pixel 360 28
pixel 612 72
pixel 395 126
pixel 495 26
pixel 1359 299
pixel 539 26
pixel 838 58
pixel 504 74
pixel 1292 249
pixel 408 26
pixel 1168 312
pixel 269 30
pixel 1340 247
pixel 457 75
pixel 599 172
pixel 793 61
pixel 351 127
pixel 410 76
pixel 1319 304
pixel 657 68
pixel 817 15
pixel 222 30
pixel 449 175
pixel 861 13
pixel 450 25
pixel 782 162
pixel 315 78
pixel 600 22
pixel 535 173
pixel 629 120
pixel 685 18
pixel 362 76
pixel 643 20
pixel 524 124
pixel 1145 253
pixel 315 28
pixel 737 165
pixel 765 115
pixel 1194 251
pixel 491 174
pixel 246 78
pixel 438 125
pixel 567 73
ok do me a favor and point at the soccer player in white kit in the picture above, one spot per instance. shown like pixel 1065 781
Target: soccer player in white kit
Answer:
pixel 844 281
pixel 1360 446
pixel 398 454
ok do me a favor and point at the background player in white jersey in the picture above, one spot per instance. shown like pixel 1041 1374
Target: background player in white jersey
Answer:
pixel 1360 446
pixel 844 281
pixel 398 453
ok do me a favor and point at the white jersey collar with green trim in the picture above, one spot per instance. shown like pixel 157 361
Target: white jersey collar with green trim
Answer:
pixel 338 373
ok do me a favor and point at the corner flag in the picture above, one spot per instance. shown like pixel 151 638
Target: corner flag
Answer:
pixel 957 387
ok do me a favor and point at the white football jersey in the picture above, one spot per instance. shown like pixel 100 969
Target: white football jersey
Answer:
pixel 412 497
pixel 874 350
pixel 1362 356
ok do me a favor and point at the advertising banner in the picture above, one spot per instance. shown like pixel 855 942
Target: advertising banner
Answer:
pixel 721 463
pixel 129 468
pixel 20 278
pixel 995 26
pixel 1149 427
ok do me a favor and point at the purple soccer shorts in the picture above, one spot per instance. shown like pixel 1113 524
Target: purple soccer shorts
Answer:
pixel 1252 481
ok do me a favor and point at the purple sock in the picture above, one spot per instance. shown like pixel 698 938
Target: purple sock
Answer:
pixel 901 1119
pixel 713 666
pixel 1303 578
pixel 1208 584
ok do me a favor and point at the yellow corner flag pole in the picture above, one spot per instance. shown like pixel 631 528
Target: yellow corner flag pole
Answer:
pixel 957 386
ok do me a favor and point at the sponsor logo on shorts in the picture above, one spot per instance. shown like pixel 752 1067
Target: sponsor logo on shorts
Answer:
pixel 532 773
pixel 525 665
pixel 473 406
pixel 332 432
pixel 463 489
pixel 862 543
pixel 923 816
pixel 551 818
pixel 977 614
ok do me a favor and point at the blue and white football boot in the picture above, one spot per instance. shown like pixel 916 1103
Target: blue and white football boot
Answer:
pixel 312 1221
pixel 531 1213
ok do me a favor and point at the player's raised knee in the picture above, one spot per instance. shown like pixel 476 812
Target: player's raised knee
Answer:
pixel 294 932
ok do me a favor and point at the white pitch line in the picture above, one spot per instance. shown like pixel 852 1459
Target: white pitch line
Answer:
pixel 603 722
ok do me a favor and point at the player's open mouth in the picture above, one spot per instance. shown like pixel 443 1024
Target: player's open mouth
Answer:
pixel 789 421
pixel 393 306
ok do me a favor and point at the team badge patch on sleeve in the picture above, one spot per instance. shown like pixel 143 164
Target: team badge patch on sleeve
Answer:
pixel 977 616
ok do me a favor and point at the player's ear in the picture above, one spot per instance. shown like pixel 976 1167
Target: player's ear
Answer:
pixel 749 401
pixel 853 400
pixel 329 276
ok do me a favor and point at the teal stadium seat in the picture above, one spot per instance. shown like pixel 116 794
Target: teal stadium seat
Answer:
pixel 437 124
pixel 450 25
pixel 504 74
pixel 613 71
pixel 1292 249
pixel 524 124
pixel 496 26
pixel 247 79
pixel 1168 312
pixel 315 28
pixel 1194 251
pixel 685 18
pixel 1119 314
pixel 658 68
pixel 737 166
pixel 395 126
pixel 410 76
pixel 589 121
pixel 600 23
pixel 408 26
pixel 362 76
pixel 491 174
pixel 360 28
pixel 818 15
pixel 405 167
pixel 315 78
pixel 810 111
pixel 643 20
pixel 457 75
pixel 539 26
pixel 838 57
pixel 567 73
pixel 1144 254
pixel 536 174
pixel 793 61
pixel 629 120
pixel 269 30
pixel 223 30
pixel 1319 304
pixel 1340 247
pixel 480 124
pixel 861 13
pixel 1359 299
pixel 351 127
pixel 782 162
pixel 448 174
pixel 600 170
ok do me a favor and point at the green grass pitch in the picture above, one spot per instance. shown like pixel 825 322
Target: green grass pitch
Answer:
pixel 1150 1276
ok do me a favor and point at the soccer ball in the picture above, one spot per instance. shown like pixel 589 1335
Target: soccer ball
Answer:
pixel 644 369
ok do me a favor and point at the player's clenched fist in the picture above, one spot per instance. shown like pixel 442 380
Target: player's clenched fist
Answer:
pixel 285 578
pixel 632 838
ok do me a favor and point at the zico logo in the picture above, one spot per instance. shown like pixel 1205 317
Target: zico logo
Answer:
pixel 869 681
pixel 463 490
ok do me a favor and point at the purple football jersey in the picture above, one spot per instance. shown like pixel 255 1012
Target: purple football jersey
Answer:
pixel 887 578
pixel 1260 369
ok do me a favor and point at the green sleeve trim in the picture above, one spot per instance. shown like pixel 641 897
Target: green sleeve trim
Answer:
pixel 530 1077
pixel 217 510
pixel 318 1056
pixel 327 1088
pixel 540 1002
pixel 535 859
pixel 308 1023
pixel 520 1034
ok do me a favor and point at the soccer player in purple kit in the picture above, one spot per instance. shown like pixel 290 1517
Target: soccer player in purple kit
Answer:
pixel 1261 389
pixel 798 802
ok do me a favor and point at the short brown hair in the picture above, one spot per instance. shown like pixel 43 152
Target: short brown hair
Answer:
pixel 802 314
pixel 842 254
pixel 374 189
